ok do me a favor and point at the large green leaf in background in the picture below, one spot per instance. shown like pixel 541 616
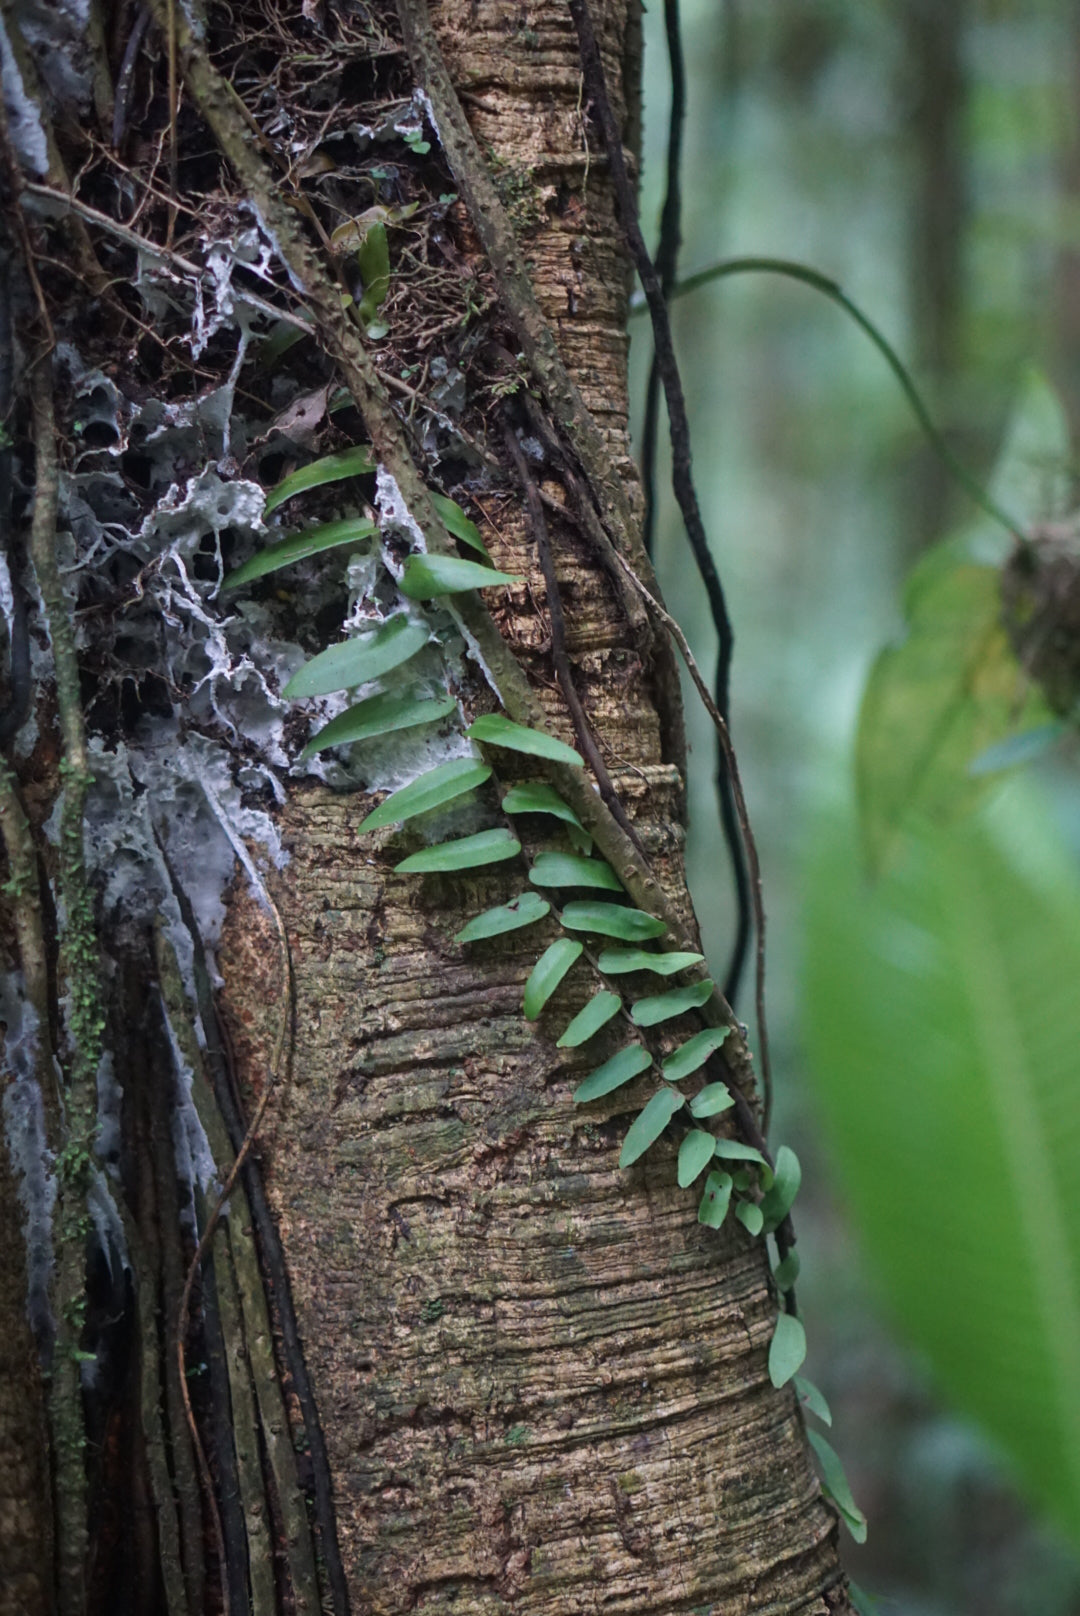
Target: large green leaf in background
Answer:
pixel 953 688
pixel 943 1026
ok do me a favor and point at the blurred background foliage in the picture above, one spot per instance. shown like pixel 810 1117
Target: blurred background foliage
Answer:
pixel 925 154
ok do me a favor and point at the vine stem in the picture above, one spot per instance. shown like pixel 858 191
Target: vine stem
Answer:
pixel 682 479
pixel 563 671
pixel 85 1018
pixel 278 1064
pixel 745 827
pixel 792 270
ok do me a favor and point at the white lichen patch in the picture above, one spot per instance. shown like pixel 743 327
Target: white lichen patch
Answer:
pixel 24 126
pixel 31 1160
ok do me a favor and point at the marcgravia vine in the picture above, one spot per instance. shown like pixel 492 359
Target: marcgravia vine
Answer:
pixel 602 934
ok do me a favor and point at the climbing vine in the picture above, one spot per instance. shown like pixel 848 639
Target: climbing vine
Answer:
pixel 414 601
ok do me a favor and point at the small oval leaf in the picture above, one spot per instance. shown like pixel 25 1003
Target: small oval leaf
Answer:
pixel 695 1154
pixel 749 1215
pixel 694 1053
pixel 465 853
pixel 596 1014
pixel 355 661
pixel 787 1272
pixel 835 1485
pixel 499 731
pixel 735 1150
pixel 571 870
pixel 787 1349
pixel 525 910
pixel 533 797
pixel 379 715
pixel 787 1177
pixel 617 961
pixel 714 1098
pixel 613 1074
pixel 439 785
pixel 426 576
pixel 715 1200
pixel 646 1129
pixel 612 920
pixel 812 1399
pixel 662 1006
pixel 548 972
pixel 456 522
pixel 355 462
pixel 298 546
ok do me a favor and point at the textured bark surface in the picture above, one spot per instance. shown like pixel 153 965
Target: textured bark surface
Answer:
pixel 542 1383
pixel 24 1558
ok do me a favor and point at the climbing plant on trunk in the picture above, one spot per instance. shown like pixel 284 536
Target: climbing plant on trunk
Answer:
pixel 322 522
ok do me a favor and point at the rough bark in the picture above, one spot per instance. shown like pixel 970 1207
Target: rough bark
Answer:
pixel 540 1382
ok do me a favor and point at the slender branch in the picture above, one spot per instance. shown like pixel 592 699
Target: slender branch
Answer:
pixel 85 1018
pixel 792 270
pixel 563 670
pixel 744 826
pixel 679 427
pixel 678 421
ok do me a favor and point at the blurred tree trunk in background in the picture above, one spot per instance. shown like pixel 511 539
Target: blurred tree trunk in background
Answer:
pixel 936 97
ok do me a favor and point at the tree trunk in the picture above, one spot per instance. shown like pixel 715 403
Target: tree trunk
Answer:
pixel 441 1350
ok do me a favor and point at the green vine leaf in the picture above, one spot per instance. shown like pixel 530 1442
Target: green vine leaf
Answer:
pixel 811 1399
pixel 570 870
pixel 426 576
pixel 379 715
pixel 749 1215
pixel 787 1272
pixel 695 1154
pixel 662 1006
pixel 715 1200
pixel 465 853
pixel 612 920
pixel 458 524
pixel 536 798
pixel 298 546
pixel 787 1177
pixel 438 786
pixel 596 1014
pixel 373 261
pixel 617 961
pixel 787 1349
pixel 735 1150
pixel 525 910
pixel 355 462
pixel 548 972
pixel 646 1128
pixel 713 1098
pixel 835 1485
pixel 694 1053
pixel 499 731
pixel 356 661
pixel 628 1063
